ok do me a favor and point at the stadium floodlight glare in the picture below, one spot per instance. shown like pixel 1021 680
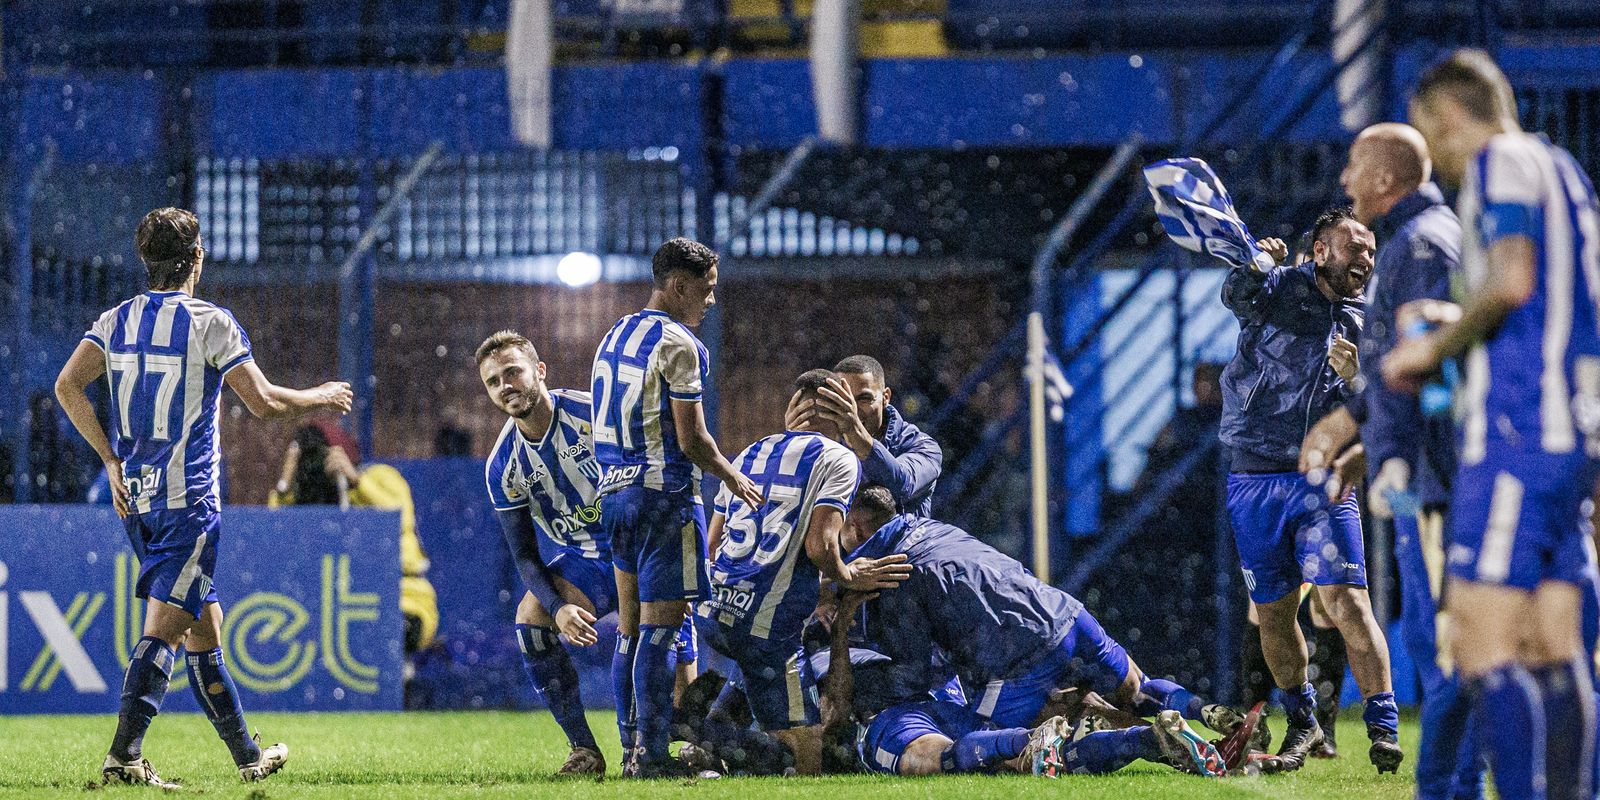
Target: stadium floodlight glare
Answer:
pixel 578 269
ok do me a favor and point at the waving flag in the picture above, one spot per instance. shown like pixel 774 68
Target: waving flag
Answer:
pixel 1198 213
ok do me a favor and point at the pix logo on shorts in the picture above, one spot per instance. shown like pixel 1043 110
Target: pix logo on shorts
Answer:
pixel 265 633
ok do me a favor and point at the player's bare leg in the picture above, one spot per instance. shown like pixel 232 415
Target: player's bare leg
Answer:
pixel 1350 607
pixel 806 744
pixel 550 668
pixel 1284 647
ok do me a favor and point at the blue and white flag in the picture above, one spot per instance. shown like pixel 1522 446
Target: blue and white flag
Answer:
pixel 1198 214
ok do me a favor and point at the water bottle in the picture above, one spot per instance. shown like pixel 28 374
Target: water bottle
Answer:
pixel 1437 396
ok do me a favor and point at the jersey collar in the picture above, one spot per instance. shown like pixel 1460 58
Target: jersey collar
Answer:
pixel 555 413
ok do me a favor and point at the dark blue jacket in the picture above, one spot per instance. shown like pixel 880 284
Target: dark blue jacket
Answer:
pixel 1279 383
pixel 905 461
pixel 992 617
pixel 1419 246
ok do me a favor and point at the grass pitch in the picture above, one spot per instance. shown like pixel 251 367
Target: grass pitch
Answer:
pixel 511 755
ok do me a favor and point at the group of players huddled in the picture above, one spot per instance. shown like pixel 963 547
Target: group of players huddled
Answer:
pixel 868 636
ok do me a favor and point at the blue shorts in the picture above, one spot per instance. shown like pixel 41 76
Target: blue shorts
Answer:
pixel 1087 656
pixel 177 553
pixel 593 577
pixel 1517 519
pixel 778 678
pixel 1288 534
pixel 896 727
pixel 660 539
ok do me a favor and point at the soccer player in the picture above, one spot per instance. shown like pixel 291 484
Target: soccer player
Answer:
pixel 767 560
pixel 651 440
pixel 543 480
pixel 1002 628
pixel 1419 249
pixel 1530 258
pixel 894 453
pixel 168 354
pixel 1294 364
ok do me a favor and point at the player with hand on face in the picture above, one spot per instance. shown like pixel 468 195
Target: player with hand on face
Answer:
pixel 168 354
pixel 650 438
pixel 542 479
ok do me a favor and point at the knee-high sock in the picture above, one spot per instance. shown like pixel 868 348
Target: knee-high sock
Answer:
pixel 1327 666
pixel 1254 673
pixel 652 691
pixel 1569 729
pixel 143 688
pixel 1158 694
pixel 981 750
pixel 1103 752
pixel 556 681
pixel 214 691
pixel 1507 699
pixel 743 750
pixel 622 689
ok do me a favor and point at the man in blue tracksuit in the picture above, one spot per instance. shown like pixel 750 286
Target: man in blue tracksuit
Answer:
pixel 1419 248
pixel 1294 365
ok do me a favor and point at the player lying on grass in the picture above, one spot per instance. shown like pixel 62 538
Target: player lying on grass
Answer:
pixel 168 354
pixel 1002 628
pixel 542 479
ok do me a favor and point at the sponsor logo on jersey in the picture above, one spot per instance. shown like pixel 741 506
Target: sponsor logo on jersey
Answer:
pixel 577 519
pixel 616 477
pixel 145 482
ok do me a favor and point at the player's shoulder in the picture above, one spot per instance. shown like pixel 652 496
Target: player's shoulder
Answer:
pixel 1515 159
pixel 504 445
pixel 676 333
pixel 203 313
pixel 573 404
pixel 834 451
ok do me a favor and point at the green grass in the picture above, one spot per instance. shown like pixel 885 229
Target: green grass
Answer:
pixel 503 754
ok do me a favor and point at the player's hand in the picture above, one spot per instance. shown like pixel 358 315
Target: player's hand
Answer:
pixel 577 624
pixel 834 404
pixel 1410 363
pixel 1326 440
pixel 120 499
pixel 1276 248
pixel 1347 473
pixel 875 574
pixel 1432 312
pixel 1393 476
pixel 794 415
pixel 746 490
pixel 335 396
pixel 1342 357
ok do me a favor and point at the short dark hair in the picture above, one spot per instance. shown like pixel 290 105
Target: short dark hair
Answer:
pixel 1471 78
pixel 875 501
pixel 683 254
pixel 501 340
pixel 861 365
pixel 811 380
pixel 1330 219
pixel 168 241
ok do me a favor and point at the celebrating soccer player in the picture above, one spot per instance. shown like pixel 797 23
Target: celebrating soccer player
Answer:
pixel 1530 423
pixel 650 436
pixel 1294 365
pixel 168 354
pixel 542 479
pixel 767 560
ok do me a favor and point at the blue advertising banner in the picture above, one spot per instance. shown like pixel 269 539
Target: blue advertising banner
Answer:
pixel 310 596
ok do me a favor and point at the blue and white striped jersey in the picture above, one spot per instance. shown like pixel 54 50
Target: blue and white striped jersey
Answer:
pixel 762 582
pixel 645 361
pixel 166 353
pixel 1534 384
pixel 555 478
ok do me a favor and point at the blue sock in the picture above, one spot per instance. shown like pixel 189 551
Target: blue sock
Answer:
pixel 214 691
pixel 1300 706
pixel 1104 752
pixel 981 750
pixel 652 691
pixel 1506 699
pixel 556 681
pixel 622 689
pixel 1157 695
pixel 1569 729
pixel 142 690
pixel 1382 714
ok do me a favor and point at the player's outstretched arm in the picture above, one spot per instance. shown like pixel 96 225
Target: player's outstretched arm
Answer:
pixel 269 401
pixel 697 444
pixel 84 367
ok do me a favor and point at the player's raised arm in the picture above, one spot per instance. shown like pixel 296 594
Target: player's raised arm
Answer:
pixel 269 401
pixel 86 366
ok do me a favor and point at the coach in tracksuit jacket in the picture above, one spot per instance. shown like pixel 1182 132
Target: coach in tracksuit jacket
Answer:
pixel 1297 324
pixel 1419 248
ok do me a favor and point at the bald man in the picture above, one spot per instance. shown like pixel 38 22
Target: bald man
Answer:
pixel 1419 246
